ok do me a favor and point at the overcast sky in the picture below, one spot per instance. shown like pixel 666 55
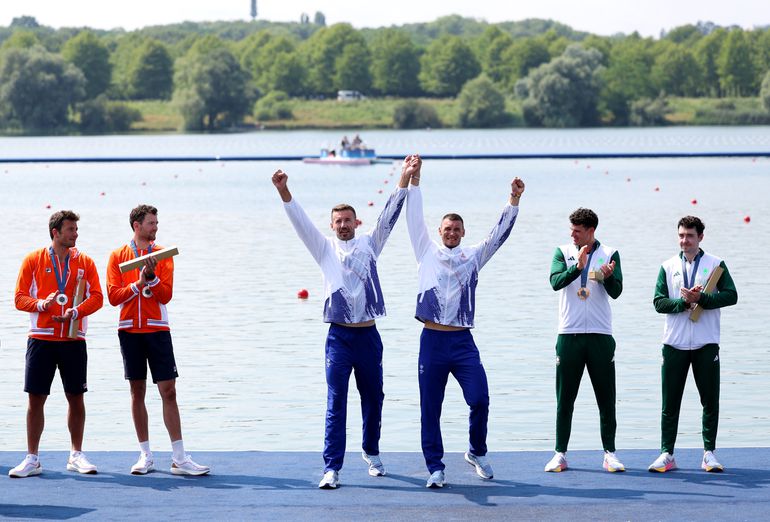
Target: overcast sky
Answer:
pixel 604 17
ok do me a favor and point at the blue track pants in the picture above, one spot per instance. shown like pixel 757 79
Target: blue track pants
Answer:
pixel 358 350
pixel 442 353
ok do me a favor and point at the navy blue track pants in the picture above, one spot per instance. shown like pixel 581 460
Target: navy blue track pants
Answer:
pixel 442 353
pixel 358 350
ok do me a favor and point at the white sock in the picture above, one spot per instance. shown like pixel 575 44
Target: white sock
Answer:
pixel 145 447
pixel 177 447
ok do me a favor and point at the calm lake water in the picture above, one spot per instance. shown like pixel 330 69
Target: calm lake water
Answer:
pixel 250 354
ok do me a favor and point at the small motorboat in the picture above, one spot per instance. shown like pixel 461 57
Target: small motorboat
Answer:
pixel 360 156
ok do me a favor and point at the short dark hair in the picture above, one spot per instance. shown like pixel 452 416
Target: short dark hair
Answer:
pixel 692 222
pixel 58 218
pixel 343 207
pixel 584 217
pixel 139 213
pixel 453 217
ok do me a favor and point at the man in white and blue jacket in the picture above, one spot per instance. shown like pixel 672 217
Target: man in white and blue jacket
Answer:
pixel 352 301
pixel 446 304
pixel 681 286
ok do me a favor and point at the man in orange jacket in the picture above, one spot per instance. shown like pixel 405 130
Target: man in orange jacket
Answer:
pixel 46 289
pixel 145 337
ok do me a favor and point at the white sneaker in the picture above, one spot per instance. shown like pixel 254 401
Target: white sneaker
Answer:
pixel 376 469
pixel 437 479
pixel 29 467
pixel 78 462
pixel 710 463
pixel 611 462
pixel 330 480
pixel 663 463
pixel 188 467
pixel 483 468
pixel 144 465
pixel 557 463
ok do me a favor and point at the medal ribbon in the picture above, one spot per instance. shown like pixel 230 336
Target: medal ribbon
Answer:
pixel 136 250
pixel 61 280
pixel 691 282
pixel 584 272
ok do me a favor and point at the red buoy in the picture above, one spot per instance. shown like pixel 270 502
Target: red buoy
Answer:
pixel 303 294
pixel 694 202
pixel 371 203
pixel 103 194
pixel 379 191
pixel 48 206
pixel 747 219
pixel 657 189
pixel 628 180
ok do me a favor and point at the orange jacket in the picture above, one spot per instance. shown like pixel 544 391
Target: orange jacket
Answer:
pixel 138 313
pixel 37 280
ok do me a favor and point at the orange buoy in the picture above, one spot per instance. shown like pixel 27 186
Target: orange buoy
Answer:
pixel 303 294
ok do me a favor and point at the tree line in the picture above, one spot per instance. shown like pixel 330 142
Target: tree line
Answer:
pixel 215 74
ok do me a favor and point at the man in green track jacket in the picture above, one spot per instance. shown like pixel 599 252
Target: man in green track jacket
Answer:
pixel 681 286
pixel 585 273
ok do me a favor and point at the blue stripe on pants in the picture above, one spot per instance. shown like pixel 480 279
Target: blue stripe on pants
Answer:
pixel 442 353
pixel 358 350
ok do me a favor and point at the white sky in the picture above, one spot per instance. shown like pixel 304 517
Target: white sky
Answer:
pixel 603 17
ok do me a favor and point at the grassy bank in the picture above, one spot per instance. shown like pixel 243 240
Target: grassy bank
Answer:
pixel 377 113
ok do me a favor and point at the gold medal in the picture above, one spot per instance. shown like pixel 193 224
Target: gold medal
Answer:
pixel 583 293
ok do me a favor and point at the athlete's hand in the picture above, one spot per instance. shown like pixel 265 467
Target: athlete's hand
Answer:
pixel 68 313
pixel 148 270
pixel 607 269
pixel 48 300
pixel 691 295
pixel 517 187
pixel 582 257
pixel 280 178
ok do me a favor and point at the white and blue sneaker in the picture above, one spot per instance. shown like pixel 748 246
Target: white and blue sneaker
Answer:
pixel 78 462
pixel 437 479
pixel 557 464
pixel 376 469
pixel 330 480
pixel 481 463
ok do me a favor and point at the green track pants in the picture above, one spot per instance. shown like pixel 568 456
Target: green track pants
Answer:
pixel 705 370
pixel 574 352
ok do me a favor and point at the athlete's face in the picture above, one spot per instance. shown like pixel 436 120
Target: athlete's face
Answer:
pixel 68 235
pixel 451 232
pixel 146 230
pixel 344 224
pixel 689 241
pixel 581 235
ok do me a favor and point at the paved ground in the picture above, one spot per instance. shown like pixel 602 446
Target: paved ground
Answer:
pixel 283 486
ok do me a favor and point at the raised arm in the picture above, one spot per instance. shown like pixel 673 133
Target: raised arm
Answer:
pixel 307 232
pixel 502 229
pixel 415 221
pixel 389 215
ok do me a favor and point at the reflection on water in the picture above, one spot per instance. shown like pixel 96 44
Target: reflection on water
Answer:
pixel 250 354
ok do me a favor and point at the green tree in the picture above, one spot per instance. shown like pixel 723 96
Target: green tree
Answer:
pixel 20 40
pixel 100 115
pixel 761 50
pixel 287 74
pixel 151 74
pixel 274 63
pixel 687 35
pixel 565 91
pixel 352 68
pixel 446 65
pixel 210 87
pixel 481 104
pixel 764 92
pixel 735 65
pixel 628 76
pixel 38 89
pixel 27 22
pixel 87 52
pixel 707 53
pixel 412 114
pixel 676 71
pixel 321 52
pixel 395 64
pixel 524 55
